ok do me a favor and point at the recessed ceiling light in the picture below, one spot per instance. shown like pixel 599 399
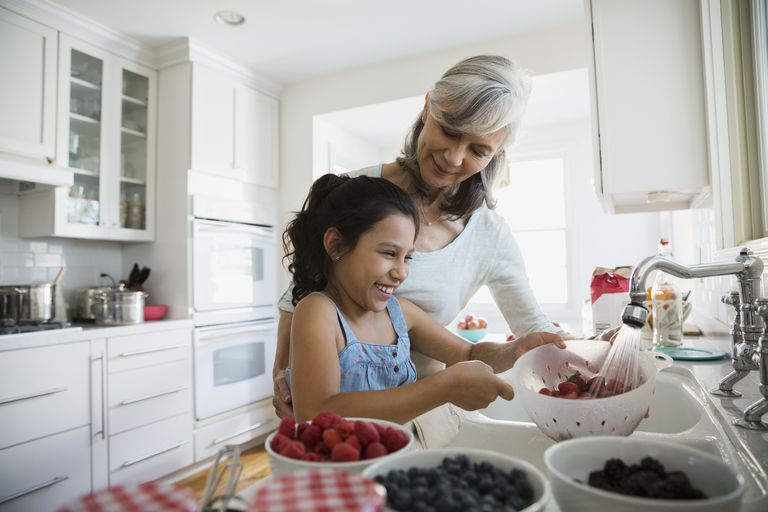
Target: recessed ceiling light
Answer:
pixel 231 18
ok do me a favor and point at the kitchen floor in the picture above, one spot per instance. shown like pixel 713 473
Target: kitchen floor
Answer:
pixel 255 467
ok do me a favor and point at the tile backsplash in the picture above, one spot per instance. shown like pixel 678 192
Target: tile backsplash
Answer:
pixel 27 261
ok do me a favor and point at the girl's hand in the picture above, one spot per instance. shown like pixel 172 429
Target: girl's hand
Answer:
pixel 536 339
pixel 473 385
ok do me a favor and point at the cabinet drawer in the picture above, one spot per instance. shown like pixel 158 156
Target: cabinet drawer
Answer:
pixel 146 395
pixel 43 391
pixel 129 352
pixel 234 430
pixel 44 474
pixel 149 452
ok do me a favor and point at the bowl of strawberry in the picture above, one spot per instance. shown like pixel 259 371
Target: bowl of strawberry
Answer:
pixel 332 442
pixel 563 393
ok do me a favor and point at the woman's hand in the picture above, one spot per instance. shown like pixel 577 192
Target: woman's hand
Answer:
pixel 607 335
pixel 473 385
pixel 281 400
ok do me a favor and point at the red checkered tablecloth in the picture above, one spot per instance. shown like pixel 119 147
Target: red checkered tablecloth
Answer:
pixel 149 497
pixel 319 491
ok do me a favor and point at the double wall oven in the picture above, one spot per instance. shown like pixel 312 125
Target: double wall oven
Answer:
pixel 233 305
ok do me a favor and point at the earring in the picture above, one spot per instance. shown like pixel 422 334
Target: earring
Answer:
pixel 337 258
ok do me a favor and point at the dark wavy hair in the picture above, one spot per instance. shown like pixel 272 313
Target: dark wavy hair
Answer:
pixel 352 206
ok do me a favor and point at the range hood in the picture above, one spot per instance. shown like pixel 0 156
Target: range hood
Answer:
pixel 36 170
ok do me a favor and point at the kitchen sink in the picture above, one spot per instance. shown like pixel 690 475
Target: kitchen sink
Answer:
pixel 682 411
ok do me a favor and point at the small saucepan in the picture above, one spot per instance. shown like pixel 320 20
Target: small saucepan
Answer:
pixel 27 303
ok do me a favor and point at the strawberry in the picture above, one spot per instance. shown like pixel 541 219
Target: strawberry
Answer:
pixel 331 437
pixel 366 433
pixel 545 391
pixel 325 419
pixel 568 387
pixel 287 427
pixel 395 439
pixel 311 436
pixel 354 441
pixel 345 452
pixel 294 450
pixel 374 450
pixel 279 441
pixel 345 428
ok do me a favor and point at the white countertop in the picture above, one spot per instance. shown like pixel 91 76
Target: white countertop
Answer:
pixel 86 332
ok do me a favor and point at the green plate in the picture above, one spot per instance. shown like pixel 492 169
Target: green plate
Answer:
pixel 691 354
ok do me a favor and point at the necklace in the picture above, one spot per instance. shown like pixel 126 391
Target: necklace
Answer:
pixel 424 215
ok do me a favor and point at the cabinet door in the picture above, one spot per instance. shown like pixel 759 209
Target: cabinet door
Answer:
pixel 649 95
pixel 213 122
pixel 28 87
pixel 84 142
pixel 133 213
pixel 256 119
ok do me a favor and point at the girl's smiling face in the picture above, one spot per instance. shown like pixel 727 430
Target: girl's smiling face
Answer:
pixel 369 274
pixel 447 158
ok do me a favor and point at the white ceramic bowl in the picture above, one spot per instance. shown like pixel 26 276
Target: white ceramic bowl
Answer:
pixel 434 457
pixel 577 458
pixel 473 335
pixel 560 418
pixel 282 465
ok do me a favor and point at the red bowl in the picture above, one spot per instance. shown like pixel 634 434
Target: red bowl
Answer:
pixel 155 311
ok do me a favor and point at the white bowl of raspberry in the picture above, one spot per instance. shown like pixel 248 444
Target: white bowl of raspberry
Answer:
pixel 332 442
pixel 639 475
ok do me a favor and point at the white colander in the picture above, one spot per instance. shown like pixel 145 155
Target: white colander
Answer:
pixel 561 418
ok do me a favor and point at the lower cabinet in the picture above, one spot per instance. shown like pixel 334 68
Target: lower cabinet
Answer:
pixel 236 429
pixel 43 474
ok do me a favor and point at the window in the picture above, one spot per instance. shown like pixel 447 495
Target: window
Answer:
pixel 540 232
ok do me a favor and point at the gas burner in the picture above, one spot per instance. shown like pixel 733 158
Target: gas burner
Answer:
pixel 27 326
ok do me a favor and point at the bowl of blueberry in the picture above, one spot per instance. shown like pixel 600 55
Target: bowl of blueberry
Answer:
pixel 329 441
pixel 639 475
pixel 459 479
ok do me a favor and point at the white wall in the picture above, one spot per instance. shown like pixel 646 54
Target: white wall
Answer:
pixel 558 49
pixel 338 149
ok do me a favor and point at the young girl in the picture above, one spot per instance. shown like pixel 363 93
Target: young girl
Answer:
pixel 348 250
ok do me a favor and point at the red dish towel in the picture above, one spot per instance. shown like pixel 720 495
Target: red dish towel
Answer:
pixel 319 491
pixel 149 497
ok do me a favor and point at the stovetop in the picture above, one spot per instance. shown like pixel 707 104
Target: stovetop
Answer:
pixel 25 327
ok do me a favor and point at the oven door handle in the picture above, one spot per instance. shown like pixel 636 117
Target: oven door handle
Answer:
pixel 210 225
pixel 209 336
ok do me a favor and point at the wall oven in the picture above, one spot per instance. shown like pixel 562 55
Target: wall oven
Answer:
pixel 233 272
pixel 233 366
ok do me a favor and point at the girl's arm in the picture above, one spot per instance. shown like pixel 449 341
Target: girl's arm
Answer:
pixel 434 340
pixel 315 342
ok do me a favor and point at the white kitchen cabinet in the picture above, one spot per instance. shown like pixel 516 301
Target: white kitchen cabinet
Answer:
pixel 234 128
pixel 46 473
pixel 28 87
pixel 45 426
pixel 106 133
pixel 648 104
pixel 239 428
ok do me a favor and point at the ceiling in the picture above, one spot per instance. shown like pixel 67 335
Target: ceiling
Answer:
pixel 294 40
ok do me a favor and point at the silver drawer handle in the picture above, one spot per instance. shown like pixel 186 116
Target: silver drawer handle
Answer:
pixel 56 480
pixel 151 350
pixel 232 332
pixel 47 392
pixel 160 452
pixel 149 397
pixel 248 429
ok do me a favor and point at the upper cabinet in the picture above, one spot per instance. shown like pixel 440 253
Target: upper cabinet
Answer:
pixel 234 128
pixel 106 133
pixel 649 104
pixel 28 87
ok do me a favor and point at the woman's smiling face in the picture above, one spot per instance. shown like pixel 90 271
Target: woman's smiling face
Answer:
pixel 447 158
pixel 369 274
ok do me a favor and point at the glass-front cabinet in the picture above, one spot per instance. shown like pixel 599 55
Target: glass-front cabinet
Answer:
pixel 106 131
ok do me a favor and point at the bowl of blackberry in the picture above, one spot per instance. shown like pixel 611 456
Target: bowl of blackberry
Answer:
pixel 639 475
pixel 459 479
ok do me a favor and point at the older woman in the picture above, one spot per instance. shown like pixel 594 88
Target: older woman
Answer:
pixel 451 159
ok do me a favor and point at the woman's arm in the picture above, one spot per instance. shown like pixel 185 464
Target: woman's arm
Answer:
pixel 281 398
pixel 434 340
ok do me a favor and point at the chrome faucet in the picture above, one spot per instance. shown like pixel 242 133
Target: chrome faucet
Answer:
pixel 749 334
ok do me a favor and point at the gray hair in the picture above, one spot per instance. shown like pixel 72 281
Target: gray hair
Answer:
pixel 479 95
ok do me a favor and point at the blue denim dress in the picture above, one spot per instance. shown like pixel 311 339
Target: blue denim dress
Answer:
pixel 370 366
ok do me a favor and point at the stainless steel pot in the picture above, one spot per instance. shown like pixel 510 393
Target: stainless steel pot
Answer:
pixel 27 303
pixel 89 299
pixel 119 307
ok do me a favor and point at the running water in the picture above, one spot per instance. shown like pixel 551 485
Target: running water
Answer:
pixel 621 369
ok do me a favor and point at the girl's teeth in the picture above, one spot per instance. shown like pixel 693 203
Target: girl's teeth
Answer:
pixel 385 289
